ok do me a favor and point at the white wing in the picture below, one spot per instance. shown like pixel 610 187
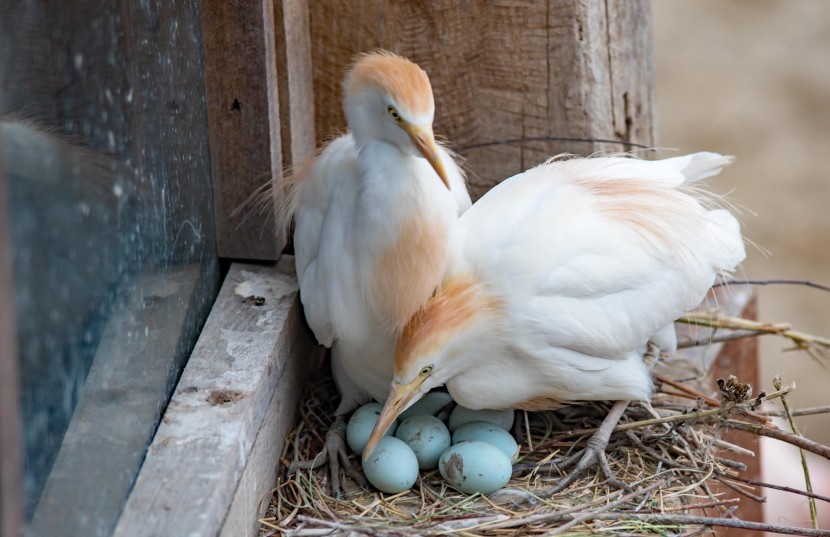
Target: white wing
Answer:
pixel 598 255
pixel 320 197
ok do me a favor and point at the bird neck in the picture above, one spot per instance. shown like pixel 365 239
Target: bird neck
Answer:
pixel 415 216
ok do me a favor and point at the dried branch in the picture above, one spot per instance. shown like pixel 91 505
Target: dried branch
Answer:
pixel 604 509
pixel 778 434
pixel 817 347
pixel 776 487
pixel 800 412
pixel 813 513
pixel 805 283
pixel 684 520
pixel 702 342
pixel 743 407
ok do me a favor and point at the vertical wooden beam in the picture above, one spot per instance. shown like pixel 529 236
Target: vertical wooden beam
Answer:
pixel 242 90
pixel 514 82
pixel 296 92
pixel 11 488
pixel 740 358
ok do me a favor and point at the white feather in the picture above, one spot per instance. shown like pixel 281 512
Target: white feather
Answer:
pixel 587 259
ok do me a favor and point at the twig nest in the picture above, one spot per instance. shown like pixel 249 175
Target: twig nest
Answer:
pixel 361 424
pixel 393 467
pixel 461 415
pixel 475 467
pixel 484 431
pixel 428 438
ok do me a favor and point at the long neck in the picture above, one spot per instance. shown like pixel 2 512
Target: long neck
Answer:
pixel 415 216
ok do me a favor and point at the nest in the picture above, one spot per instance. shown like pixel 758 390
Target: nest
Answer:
pixel 684 478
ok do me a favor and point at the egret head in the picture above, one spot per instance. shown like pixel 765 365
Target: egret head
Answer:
pixel 435 346
pixel 389 98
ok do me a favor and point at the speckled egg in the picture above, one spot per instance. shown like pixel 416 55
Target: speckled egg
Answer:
pixel 428 438
pixel 431 404
pixel 475 467
pixel 361 424
pixel 484 431
pixel 461 415
pixel 392 467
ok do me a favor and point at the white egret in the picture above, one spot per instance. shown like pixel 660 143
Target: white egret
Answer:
pixel 374 216
pixel 561 277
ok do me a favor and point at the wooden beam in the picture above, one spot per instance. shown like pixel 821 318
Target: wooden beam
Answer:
pixel 504 71
pixel 242 91
pixel 740 358
pixel 296 92
pixel 215 454
pixel 129 381
pixel 11 487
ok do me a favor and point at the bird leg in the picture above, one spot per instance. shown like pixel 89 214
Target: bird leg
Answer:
pixel 335 454
pixel 594 453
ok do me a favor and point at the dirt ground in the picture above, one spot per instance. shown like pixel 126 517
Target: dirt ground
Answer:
pixel 751 78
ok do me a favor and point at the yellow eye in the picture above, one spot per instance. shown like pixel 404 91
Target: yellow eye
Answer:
pixel 426 371
pixel 394 113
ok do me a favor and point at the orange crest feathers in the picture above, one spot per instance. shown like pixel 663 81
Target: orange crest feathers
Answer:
pixel 402 79
pixel 458 302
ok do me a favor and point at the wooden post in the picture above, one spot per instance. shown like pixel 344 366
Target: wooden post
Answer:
pixel 258 88
pixel 11 487
pixel 504 74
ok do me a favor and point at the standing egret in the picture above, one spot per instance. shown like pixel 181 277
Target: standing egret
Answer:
pixel 374 217
pixel 561 278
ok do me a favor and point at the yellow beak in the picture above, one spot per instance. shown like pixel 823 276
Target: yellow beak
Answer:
pixel 425 142
pixel 401 398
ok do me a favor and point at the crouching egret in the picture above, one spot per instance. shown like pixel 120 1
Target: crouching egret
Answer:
pixel 374 216
pixel 561 277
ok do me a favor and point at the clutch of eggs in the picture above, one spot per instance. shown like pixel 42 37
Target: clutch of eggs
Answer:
pixel 477 457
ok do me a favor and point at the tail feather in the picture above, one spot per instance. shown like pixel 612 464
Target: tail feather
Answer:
pixel 700 165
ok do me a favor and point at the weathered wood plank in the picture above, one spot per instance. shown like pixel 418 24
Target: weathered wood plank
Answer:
pixel 296 92
pixel 127 385
pixel 504 71
pixel 11 487
pixel 242 90
pixel 212 458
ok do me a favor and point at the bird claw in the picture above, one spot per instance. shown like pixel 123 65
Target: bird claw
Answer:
pixel 335 454
pixel 594 453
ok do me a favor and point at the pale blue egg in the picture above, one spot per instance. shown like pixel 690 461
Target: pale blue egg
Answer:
pixel 484 431
pixel 427 436
pixel 392 467
pixel 361 424
pixel 475 467
pixel 461 415
pixel 431 404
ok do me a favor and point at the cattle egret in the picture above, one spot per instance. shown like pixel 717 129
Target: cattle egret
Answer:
pixel 561 277
pixel 374 216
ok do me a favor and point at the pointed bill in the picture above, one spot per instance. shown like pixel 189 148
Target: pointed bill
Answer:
pixel 400 398
pixel 424 140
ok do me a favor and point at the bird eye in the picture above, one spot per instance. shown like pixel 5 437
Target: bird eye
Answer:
pixel 427 370
pixel 394 113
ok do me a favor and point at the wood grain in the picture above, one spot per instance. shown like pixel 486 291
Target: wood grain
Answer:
pixel 508 70
pixel 242 92
pixel 296 94
pixel 214 456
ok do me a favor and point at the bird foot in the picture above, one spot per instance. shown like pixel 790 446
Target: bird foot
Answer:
pixel 593 454
pixel 335 454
